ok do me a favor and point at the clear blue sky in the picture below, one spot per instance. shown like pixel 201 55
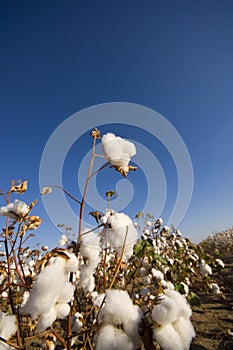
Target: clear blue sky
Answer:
pixel 175 57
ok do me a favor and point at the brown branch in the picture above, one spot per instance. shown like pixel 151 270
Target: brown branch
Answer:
pixel 67 193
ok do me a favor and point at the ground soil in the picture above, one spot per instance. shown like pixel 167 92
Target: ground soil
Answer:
pixel 213 320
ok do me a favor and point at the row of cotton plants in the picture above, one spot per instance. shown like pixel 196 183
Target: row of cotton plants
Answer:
pixel 125 285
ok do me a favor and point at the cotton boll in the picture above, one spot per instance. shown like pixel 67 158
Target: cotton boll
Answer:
pixel 8 325
pixel 46 319
pixel 205 269
pixel 67 293
pixel 119 310
pixel 220 263
pixel 157 274
pixel 25 298
pixel 76 322
pixel 181 301
pixel 117 150
pixel 120 226
pixel 166 311
pixel 186 331
pixel 62 241
pixel 215 288
pixel 111 338
pixel 14 210
pixel 186 288
pixel 43 296
pixel 168 338
pixel 62 310
pixel 72 263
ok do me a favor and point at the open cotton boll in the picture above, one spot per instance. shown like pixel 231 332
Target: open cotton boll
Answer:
pixel 166 311
pixel 120 226
pixel 87 280
pixel 205 269
pixel 46 319
pixel 67 293
pixel 186 331
pixel 112 338
pixel 62 310
pixel 185 309
pixel 47 288
pixel 168 338
pixel 119 310
pixel 8 325
pixel 116 150
pixel 15 210
pixel 63 240
pixel 90 249
pixel 157 274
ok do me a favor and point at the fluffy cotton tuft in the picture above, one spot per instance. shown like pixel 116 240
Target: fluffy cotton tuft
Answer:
pixel 51 292
pixel 90 251
pixel 8 325
pixel 117 151
pixel 119 310
pixel 172 315
pixel 119 224
pixel 112 338
pixel 205 269
pixel 14 210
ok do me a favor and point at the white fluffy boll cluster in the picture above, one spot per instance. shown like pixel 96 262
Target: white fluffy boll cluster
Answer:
pixel 205 269
pixel 90 251
pixel 118 151
pixel 120 320
pixel 52 291
pixel 8 327
pixel 120 230
pixel 15 210
pixel 172 315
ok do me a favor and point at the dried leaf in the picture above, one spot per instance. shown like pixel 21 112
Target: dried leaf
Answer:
pixel 45 190
pixel 21 188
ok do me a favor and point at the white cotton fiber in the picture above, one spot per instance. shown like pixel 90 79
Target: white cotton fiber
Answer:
pixel 157 274
pixel 172 314
pixel 117 151
pixel 185 309
pixel 71 264
pixel 8 325
pixel 46 319
pixel 118 225
pixel 111 338
pixel 168 338
pixel 186 331
pixel 62 310
pixel 166 311
pixel 47 288
pixel 14 210
pixel 66 293
pixel 119 310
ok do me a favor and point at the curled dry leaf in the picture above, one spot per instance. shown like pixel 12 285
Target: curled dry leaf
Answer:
pixel 21 187
pixel 45 190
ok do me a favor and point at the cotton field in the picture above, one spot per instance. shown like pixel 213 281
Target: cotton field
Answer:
pixel 128 285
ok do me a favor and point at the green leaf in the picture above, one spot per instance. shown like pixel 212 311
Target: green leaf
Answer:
pixel 193 299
